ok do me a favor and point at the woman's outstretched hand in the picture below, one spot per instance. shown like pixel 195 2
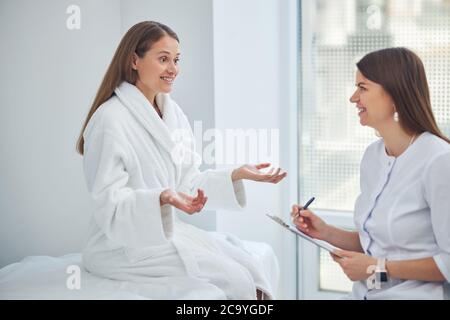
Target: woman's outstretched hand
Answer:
pixel 183 201
pixel 252 172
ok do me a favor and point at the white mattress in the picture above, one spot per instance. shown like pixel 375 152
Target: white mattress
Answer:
pixel 45 277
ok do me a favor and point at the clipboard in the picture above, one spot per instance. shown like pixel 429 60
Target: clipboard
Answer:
pixel 322 244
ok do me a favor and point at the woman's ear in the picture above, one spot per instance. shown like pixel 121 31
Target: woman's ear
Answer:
pixel 134 61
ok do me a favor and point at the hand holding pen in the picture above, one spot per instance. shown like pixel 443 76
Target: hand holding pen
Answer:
pixel 309 223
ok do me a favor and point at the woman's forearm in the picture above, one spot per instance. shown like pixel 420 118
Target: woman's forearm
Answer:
pixel 236 175
pixel 420 269
pixel 343 239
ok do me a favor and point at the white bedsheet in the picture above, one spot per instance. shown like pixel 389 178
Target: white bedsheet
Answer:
pixel 45 277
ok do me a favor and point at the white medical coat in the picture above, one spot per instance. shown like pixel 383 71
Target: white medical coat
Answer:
pixel 403 213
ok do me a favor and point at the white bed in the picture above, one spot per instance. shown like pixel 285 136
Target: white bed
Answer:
pixel 45 277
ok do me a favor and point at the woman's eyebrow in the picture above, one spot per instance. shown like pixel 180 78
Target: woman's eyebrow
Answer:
pixel 167 52
pixel 361 83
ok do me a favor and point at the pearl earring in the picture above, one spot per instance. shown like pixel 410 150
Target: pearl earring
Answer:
pixel 396 116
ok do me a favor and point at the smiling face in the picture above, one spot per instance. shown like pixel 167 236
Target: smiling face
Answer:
pixel 375 106
pixel 158 68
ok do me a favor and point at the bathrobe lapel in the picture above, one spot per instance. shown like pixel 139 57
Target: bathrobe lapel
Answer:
pixel 159 129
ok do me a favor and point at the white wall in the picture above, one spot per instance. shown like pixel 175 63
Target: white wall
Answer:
pixel 254 85
pixel 48 78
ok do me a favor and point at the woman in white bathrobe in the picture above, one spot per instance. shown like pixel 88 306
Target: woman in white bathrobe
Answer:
pixel 140 164
pixel 401 249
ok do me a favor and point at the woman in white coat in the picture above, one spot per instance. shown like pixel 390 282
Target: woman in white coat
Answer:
pixel 401 249
pixel 137 170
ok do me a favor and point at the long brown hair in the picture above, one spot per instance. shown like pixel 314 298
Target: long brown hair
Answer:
pixel 401 73
pixel 139 39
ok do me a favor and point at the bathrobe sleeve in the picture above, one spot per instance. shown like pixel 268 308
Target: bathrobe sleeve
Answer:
pixel 129 217
pixel 221 191
pixel 437 193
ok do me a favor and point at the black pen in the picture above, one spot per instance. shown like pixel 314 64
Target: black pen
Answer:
pixel 308 203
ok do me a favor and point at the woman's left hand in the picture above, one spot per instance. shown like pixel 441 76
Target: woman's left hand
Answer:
pixel 355 265
pixel 252 172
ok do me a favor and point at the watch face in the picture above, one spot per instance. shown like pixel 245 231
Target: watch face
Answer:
pixel 382 276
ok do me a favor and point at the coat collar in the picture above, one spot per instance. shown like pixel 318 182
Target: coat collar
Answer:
pixel 141 108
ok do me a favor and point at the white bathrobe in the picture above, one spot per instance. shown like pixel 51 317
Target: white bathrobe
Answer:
pixel 130 156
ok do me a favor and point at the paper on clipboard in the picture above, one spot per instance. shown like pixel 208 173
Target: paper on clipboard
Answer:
pixel 323 244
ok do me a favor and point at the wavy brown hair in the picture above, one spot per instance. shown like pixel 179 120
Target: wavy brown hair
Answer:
pixel 139 39
pixel 401 73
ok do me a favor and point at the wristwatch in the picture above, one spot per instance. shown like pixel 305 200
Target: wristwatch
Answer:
pixel 381 272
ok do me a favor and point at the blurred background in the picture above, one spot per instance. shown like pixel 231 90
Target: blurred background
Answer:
pixel 287 65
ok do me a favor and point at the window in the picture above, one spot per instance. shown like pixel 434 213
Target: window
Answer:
pixel 334 35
